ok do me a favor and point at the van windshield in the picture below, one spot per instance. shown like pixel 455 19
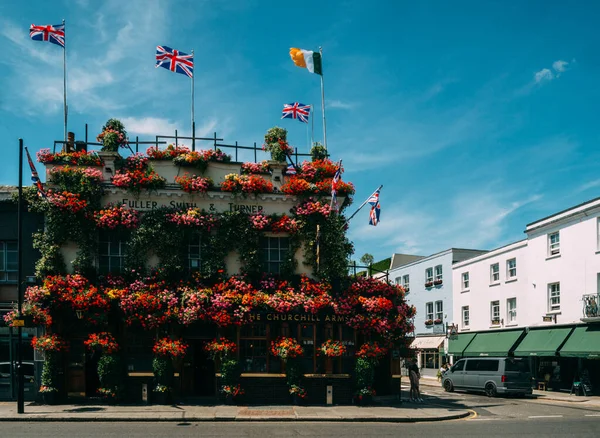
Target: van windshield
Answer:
pixel 517 365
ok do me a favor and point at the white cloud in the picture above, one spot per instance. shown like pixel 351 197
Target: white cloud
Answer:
pixel 544 75
pixel 560 66
pixel 338 104
pixel 155 125
pixel 152 126
pixel 473 219
pixel 588 185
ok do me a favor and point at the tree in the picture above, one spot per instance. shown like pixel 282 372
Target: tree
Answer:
pixel 367 259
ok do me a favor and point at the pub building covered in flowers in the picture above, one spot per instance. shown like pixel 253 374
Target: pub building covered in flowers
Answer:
pixel 201 278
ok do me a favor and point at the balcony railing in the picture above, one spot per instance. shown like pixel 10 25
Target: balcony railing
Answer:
pixel 591 306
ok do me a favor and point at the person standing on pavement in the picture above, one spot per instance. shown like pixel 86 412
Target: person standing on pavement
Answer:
pixel 414 375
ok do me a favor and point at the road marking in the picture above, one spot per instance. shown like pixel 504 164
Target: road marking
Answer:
pixel 545 416
pixel 592 415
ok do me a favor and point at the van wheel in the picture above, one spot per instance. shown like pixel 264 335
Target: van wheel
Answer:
pixel 448 387
pixel 490 390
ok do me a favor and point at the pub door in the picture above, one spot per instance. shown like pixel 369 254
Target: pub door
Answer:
pixel 203 371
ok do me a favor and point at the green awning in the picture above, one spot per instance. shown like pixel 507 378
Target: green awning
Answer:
pixel 583 342
pixel 493 343
pixel 544 342
pixel 458 345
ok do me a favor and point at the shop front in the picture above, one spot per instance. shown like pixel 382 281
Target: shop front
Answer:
pixel 427 352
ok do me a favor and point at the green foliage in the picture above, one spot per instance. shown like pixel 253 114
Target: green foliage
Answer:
pixel 364 371
pixel 230 372
pixel 318 152
pixel 335 248
pixel 293 372
pixel 276 143
pixel 382 265
pixel 50 370
pixel 109 371
pixel 51 261
pixel 367 259
pixel 163 371
pixel 113 135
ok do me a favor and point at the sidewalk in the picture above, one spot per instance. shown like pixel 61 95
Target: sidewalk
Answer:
pixel 539 395
pixel 400 414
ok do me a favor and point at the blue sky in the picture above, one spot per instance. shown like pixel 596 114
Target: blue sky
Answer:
pixel 477 117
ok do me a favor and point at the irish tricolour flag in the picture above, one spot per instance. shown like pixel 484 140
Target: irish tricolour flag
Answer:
pixel 307 59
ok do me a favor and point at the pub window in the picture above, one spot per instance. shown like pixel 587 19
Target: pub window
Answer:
pixel 8 261
pixel 253 348
pixel 111 252
pixel 274 252
pixel 194 253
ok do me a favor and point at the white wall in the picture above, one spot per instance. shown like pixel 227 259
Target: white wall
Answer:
pixel 418 295
pixel 482 291
pixel 575 268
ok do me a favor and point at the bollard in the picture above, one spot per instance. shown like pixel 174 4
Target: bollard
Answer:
pixel 145 393
pixel 329 394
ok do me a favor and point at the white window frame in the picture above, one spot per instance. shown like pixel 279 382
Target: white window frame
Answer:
pixel 429 311
pixel 465 316
pixel 8 275
pixel 282 252
pixel 194 253
pixel 116 246
pixel 465 280
pixel 554 297
pixel 511 310
pixel 429 275
pixel 511 271
pixel 406 281
pixel 554 244
pixel 439 310
pixel 494 311
pixel 494 273
pixel 399 281
pixel 438 273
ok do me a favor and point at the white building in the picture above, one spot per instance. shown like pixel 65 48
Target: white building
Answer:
pixel 428 282
pixel 536 298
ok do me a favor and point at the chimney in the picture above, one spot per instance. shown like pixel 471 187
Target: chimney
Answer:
pixel 70 146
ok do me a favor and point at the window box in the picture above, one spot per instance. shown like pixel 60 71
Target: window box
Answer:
pixel 495 322
pixel 437 321
pixel 437 282
pixel 429 284
pixel 429 322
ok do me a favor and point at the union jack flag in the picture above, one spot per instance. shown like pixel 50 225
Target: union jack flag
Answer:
pixel 53 34
pixel 334 186
pixel 374 199
pixel 291 170
pixel 374 214
pixel 175 60
pixel 297 111
pixel 34 176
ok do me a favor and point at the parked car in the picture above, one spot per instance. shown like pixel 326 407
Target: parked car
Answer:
pixel 492 375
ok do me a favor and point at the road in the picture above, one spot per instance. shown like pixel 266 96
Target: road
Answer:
pixel 547 427
pixel 509 408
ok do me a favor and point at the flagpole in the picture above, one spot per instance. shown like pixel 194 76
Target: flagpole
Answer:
pixel 65 79
pixel 323 101
pixel 363 204
pixel 193 118
pixel 312 121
